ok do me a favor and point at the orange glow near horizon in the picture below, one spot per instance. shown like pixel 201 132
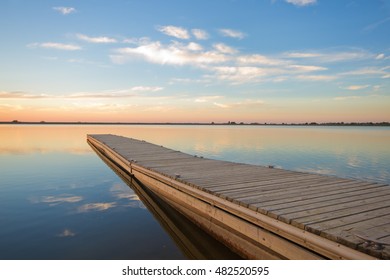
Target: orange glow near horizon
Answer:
pixel 269 112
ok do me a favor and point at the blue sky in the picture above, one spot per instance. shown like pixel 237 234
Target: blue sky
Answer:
pixel 247 60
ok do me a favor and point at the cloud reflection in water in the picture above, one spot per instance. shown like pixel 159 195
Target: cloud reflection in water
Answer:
pixel 66 233
pixel 100 206
pixel 55 200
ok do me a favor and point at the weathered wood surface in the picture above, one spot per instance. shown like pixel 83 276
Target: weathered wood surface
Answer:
pixel 339 210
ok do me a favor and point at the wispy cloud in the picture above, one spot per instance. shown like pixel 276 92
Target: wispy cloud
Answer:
pixel 306 68
pixel 260 60
pixel 376 24
pixel 302 54
pixel 301 2
pixel 244 74
pixel 317 78
pixel 65 10
pixel 220 105
pixel 203 99
pixel 56 46
pixel 330 56
pixel 200 34
pixel 100 95
pixel 356 87
pixel 21 95
pixel 10 107
pixel 247 103
pixel 343 98
pixel 222 48
pixel 369 71
pixel 98 40
pixel 174 31
pixel 105 94
pixel 232 33
pixel 146 88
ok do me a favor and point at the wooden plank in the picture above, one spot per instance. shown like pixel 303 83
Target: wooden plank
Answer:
pixel 279 187
pixel 350 207
pixel 310 202
pixel 296 207
pixel 321 222
pixel 328 193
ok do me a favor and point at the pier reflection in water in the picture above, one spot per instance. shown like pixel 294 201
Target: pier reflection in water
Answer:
pixel 191 240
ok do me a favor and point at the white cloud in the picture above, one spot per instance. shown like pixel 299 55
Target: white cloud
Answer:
pixel 175 54
pixel 200 34
pixel 115 93
pixel 243 74
pixel 301 2
pixel 357 87
pixel 342 98
pixel 100 95
pixel 174 31
pixel 21 95
pixel 65 10
pixel 194 47
pixel 225 63
pixel 245 103
pixel 249 102
pixel 380 56
pixel 302 54
pixel 330 56
pixel 146 88
pixel 203 99
pixel 187 81
pixel 306 68
pixel 316 78
pixel 369 71
pixel 220 105
pixel 137 41
pixel 260 60
pixel 96 39
pixel 232 33
pixel 57 46
pixel 220 47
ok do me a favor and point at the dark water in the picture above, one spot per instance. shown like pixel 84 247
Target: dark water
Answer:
pixel 59 200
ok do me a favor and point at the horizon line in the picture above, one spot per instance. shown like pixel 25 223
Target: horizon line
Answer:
pixel 341 123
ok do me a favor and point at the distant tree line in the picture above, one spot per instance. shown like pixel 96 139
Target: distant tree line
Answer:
pixel 213 123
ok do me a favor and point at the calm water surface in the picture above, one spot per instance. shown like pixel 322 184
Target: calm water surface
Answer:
pixel 59 200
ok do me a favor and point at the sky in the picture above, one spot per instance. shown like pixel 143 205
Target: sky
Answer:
pixel 195 61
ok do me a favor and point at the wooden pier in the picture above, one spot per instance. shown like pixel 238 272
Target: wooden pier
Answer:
pixel 261 212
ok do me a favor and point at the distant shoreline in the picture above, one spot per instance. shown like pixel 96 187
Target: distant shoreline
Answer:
pixel 200 123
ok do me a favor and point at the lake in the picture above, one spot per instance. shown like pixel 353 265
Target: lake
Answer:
pixel 59 200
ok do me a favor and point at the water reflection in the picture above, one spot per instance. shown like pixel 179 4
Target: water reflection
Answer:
pixel 194 242
pixel 66 233
pixel 58 200
pixel 357 152
pixel 55 200
pixel 100 206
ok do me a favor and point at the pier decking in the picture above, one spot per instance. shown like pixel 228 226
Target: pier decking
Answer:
pixel 262 212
